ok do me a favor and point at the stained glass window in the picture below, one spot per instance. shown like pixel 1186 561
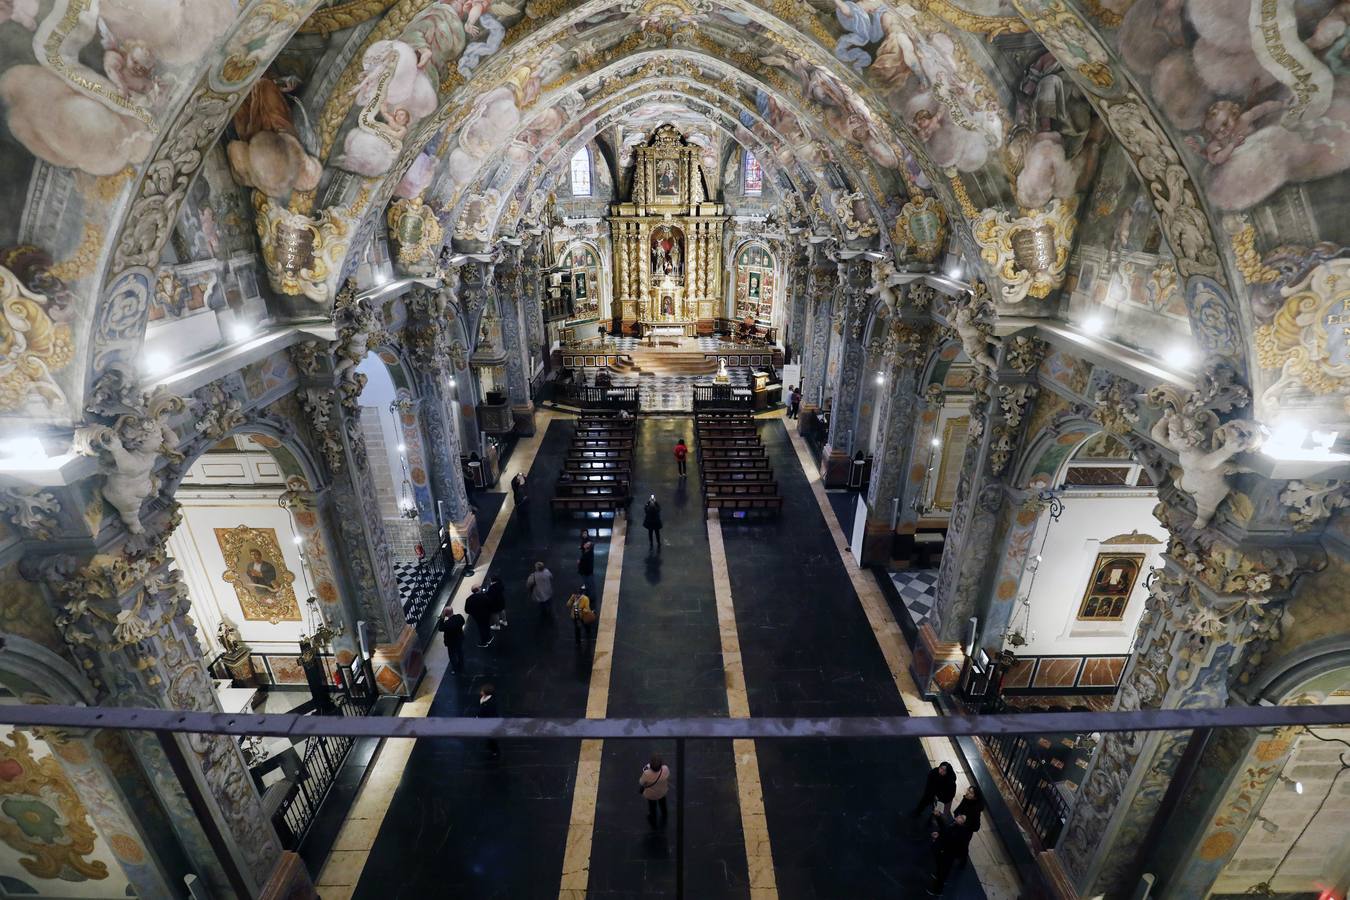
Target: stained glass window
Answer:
pixel 581 173
pixel 753 176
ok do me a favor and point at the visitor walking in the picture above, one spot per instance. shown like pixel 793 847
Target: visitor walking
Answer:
pixel 583 617
pixel 793 401
pixel 518 488
pixel 497 594
pixel 487 709
pixel 479 607
pixel 653 785
pixel 951 846
pixel 451 627
pixel 586 564
pixel 939 788
pixel 651 520
pixel 681 451
pixel 540 588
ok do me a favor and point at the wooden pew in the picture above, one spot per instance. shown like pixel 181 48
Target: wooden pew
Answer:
pixel 705 433
pixel 602 434
pixel 711 453
pixel 713 466
pixel 588 504
pixel 595 478
pixel 728 443
pixel 716 414
pixel 596 467
pixel 740 488
pixel 723 476
pixel 586 489
pixel 616 454
pixel 603 443
pixel 740 506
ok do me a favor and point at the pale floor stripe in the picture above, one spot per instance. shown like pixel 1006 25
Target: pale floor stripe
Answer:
pixel 996 871
pixel 749 789
pixel 576 872
pixel 344 865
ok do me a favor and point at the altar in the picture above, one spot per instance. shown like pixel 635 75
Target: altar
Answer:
pixel 667 241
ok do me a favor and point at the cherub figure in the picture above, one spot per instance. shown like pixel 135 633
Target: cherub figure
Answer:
pixel 1204 473
pixel 965 320
pixel 129 64
pixel 885 278
pixel 1227 126
pixel 20 12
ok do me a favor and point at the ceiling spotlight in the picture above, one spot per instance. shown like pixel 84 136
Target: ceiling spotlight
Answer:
pixel 1179 356
pixel 241 331
pixel 1094 325
pixel 1295 786
pixel 402 448
pixel 936 442
pixel 1267 824
pixel 298 539
pixel 155 362
pixel 881 377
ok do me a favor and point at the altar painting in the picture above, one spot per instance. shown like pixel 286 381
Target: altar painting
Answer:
pixel 1108 593
pixel 667 253
pixel 258 572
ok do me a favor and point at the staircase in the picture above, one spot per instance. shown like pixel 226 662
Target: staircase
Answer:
pixel 664 362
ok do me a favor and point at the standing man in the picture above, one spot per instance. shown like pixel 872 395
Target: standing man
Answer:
pixel 451 627
pixel 939 788
pixel 518 488
pixel 496 592
pixel 540 587
pixel 651 520
pixel 479 608
pixel 794 402
pixel 487 709
pixel 681 451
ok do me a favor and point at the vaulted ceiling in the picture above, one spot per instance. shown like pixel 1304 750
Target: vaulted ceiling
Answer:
pixel 1169 166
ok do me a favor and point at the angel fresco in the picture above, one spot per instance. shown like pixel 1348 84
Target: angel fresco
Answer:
pixel 1255 133
pixel 69 113
pixel 267 153
pixel 1057 136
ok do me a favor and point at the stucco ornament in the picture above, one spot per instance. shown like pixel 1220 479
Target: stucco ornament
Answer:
pixel 885 279
pixel 1302 343
pixel 318 406
pixel 970 319
pixel 358 327
pixel 130 444
pixel 31 510
pixel 303 255
pixel 417 232
pixel 1311 502
pixel 1114 406
pixel 1190 428
pixel 35 343
pixel 218 412
pixel 1029 253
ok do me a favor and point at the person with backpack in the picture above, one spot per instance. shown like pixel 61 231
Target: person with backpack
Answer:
pixel 653 785
pixel 540 588
pixel 583 617
pixel 651 520
pixel 681 451
pixel 451 627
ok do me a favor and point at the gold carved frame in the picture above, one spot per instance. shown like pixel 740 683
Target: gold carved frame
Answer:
pixel 274 606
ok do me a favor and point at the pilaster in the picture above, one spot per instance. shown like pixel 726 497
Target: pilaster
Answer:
pixel 845 389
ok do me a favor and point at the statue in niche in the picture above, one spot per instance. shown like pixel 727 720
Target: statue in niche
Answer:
pixel 667 253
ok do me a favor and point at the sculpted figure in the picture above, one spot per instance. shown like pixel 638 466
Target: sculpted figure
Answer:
pixel 973 333
pixel 129 450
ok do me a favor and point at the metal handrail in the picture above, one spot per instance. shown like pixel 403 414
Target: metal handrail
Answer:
pixel 704 728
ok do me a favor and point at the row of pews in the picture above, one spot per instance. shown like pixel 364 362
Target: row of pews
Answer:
pixel 597 473
pixel 735 465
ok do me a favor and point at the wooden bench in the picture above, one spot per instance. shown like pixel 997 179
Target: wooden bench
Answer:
pixel 705 415
pixel 728 443
pixel 712 434
pixel 741 488
pixel 585 489
pixel 722 476
pixel 596 466
pixel 596 453
pixel 609 477
pixel 707 454
pixel 745 505
pixel 588 504
pixel 723 464
pixel 602 443
pixel 602 434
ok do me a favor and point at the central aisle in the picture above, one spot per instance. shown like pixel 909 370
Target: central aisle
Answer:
pixel 667 664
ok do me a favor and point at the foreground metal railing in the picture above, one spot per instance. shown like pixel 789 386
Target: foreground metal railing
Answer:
pixel 165 723
pixel 319 768
pixel 1025 769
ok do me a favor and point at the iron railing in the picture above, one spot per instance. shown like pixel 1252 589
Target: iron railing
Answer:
pixel 319 768
pixel 426 579
pixel 1025 766
pixel 722 396
pixel 590 397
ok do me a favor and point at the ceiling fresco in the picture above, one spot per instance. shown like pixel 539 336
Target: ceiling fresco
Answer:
pixel 1173 167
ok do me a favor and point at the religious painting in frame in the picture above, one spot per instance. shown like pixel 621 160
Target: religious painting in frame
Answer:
pixel 668 179
pixel 954 434
pixel 1108 591
pixel 258 572
pixel 580 281
pixel 754 285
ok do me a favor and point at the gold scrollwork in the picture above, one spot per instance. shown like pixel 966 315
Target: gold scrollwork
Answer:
pixel 329 19
pixel 1029 253
pixel 302 255
pixel 989 26
pixel 258 572
pixel 1249 260
pixel 43 817
pixel 32 347
pixel 416 229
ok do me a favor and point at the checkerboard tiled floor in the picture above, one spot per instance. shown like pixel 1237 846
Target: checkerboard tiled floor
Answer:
pixel 416 587
pixel 918 588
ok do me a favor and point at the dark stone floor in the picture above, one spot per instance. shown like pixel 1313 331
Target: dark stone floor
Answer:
pixel 464 825
pixel 667 662
pixel 837 811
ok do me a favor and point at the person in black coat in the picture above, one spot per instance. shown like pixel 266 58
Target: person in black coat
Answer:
pixel 951 845
pixel 451 627
pixel 487 709
pixel 940 788
pixel 479 608
pixel 586 562
pixel 651 520
pixel 496 590
pixel 970 808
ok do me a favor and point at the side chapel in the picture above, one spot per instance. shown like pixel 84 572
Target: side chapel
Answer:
pixel 667 243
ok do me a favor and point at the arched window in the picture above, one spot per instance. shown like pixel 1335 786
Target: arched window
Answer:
pixel 581 173
pixel 754 282
pixel 752 176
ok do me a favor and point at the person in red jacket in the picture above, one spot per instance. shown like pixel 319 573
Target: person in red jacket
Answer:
pixel 681 451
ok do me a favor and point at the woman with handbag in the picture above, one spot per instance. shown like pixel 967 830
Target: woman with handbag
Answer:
pixel 583 617
pixel 653 785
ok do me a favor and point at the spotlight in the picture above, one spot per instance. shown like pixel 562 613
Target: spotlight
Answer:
pixel 1295 786
pixel 402 448
pixel 881 378
pixel 1179 356
pixel 25 448
pixel 1094 325
pixel 241 331
pixel 936 442
pixel 298 539
pixel 155 362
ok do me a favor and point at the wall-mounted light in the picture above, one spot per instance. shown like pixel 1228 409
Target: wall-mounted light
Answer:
pixel 881 378
pixel 1291 784
pixel 936 442
pixel 241 331
pixel 155 363
pixel 1179 356
pixel 1094 325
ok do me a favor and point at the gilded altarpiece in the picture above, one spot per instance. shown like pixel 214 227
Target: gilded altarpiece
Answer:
pixel 667 241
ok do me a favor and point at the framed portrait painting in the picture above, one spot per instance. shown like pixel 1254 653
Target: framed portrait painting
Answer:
pixel 1108 592
pixel 258 572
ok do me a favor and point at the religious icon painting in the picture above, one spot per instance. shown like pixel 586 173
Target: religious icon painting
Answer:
pixel 754 285
pixel 668 178
pixel 580 285
pixel 258 572
pixel 1108 592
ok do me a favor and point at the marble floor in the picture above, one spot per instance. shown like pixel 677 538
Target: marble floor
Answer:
pixel 725 619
